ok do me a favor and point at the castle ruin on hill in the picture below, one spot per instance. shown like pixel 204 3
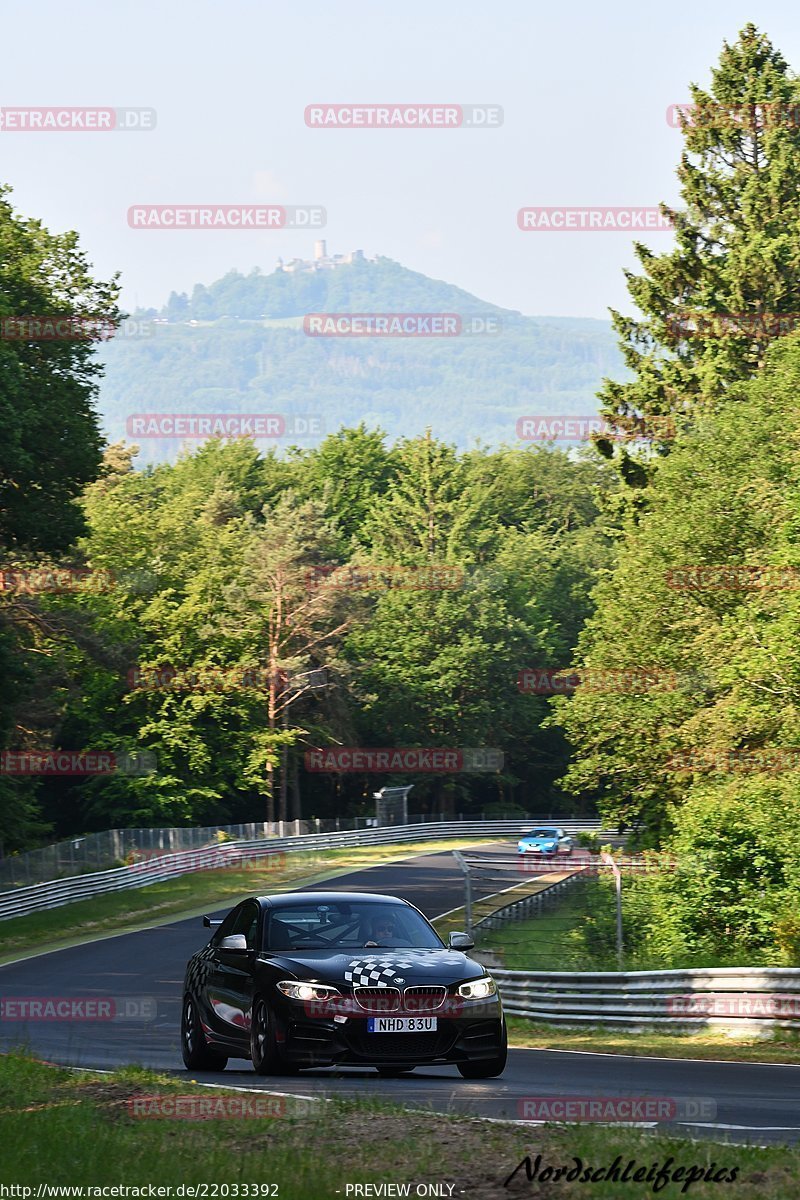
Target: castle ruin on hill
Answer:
pixel 322 261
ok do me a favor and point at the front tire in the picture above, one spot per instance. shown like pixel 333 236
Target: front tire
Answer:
pixel 197 1054
pixel 264 1050
pixel 487 1068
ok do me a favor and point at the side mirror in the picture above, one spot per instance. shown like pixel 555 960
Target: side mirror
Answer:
pixel 460 941
pixel 236 943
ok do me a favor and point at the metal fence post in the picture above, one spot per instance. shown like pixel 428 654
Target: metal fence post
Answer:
pixel 610 861
pixel 467 890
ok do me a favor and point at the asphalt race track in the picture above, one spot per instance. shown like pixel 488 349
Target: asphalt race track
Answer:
pixel 754 1102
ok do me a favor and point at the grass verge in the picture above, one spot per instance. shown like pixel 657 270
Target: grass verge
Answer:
pixel 191 894
pixel 490 904
pixel 783 1046
pixel 551 941
pixel 554 942
pixel 65 1129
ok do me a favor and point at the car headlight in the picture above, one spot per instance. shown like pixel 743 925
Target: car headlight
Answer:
pixel 478 989
pixel 298 990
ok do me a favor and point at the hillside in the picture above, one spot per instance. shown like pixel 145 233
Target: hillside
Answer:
pixel 239 346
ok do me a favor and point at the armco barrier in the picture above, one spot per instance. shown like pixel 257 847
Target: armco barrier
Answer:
pixel 110 848
pixel 657 999
pixel 26 900
pixel 526 906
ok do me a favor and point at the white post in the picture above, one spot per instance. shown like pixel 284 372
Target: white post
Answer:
pixel 610 861
pixel 467 891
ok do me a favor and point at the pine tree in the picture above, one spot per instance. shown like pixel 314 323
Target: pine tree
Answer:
pixel 708 305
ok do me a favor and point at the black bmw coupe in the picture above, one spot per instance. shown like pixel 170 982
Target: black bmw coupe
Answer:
pixel 311 979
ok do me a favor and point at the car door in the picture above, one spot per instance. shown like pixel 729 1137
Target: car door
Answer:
pixel 230 984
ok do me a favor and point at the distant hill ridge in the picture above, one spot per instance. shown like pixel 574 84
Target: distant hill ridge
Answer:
pixel 322 284
pixel 238 346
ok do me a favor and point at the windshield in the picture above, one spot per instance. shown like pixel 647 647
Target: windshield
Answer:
pixel 542 833
pixel 347 925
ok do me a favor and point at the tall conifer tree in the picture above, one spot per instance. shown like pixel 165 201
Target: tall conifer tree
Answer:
pixel 708 305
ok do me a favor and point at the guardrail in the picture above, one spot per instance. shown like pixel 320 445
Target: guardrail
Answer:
pixel 737 1000
pixel 110 848
pixel 525 906
pixel 56 893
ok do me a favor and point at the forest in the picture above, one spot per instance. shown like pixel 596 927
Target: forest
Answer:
pixel 218 617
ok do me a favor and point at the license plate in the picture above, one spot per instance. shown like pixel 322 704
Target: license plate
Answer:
pixel 401 1024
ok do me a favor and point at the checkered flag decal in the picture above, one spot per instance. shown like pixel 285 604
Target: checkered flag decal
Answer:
pixel 374 970
pixel 197 971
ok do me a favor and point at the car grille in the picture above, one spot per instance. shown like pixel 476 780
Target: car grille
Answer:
pixel 425 998
pixel 377 1000
pixel 400 1046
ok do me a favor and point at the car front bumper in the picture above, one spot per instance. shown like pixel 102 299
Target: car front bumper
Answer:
pixel 476 1034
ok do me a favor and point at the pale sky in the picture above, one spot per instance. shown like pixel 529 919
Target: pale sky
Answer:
pixel 584 89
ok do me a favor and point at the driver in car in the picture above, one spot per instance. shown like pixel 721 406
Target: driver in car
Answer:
pixel 384 931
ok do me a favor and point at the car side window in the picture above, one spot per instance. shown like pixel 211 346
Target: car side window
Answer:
pixel 227 926
pixel 247 923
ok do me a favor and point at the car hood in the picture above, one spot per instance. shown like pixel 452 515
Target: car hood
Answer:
pixel 377 968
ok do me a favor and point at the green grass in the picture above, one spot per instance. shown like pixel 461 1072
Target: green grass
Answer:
pixel 68 1129
pixel 782 1046
pixel 490 904
pixel 549 943
pixel 190 895
pixel 544 943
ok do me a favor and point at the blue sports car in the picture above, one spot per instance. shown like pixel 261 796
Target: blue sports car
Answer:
pixel 545 839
